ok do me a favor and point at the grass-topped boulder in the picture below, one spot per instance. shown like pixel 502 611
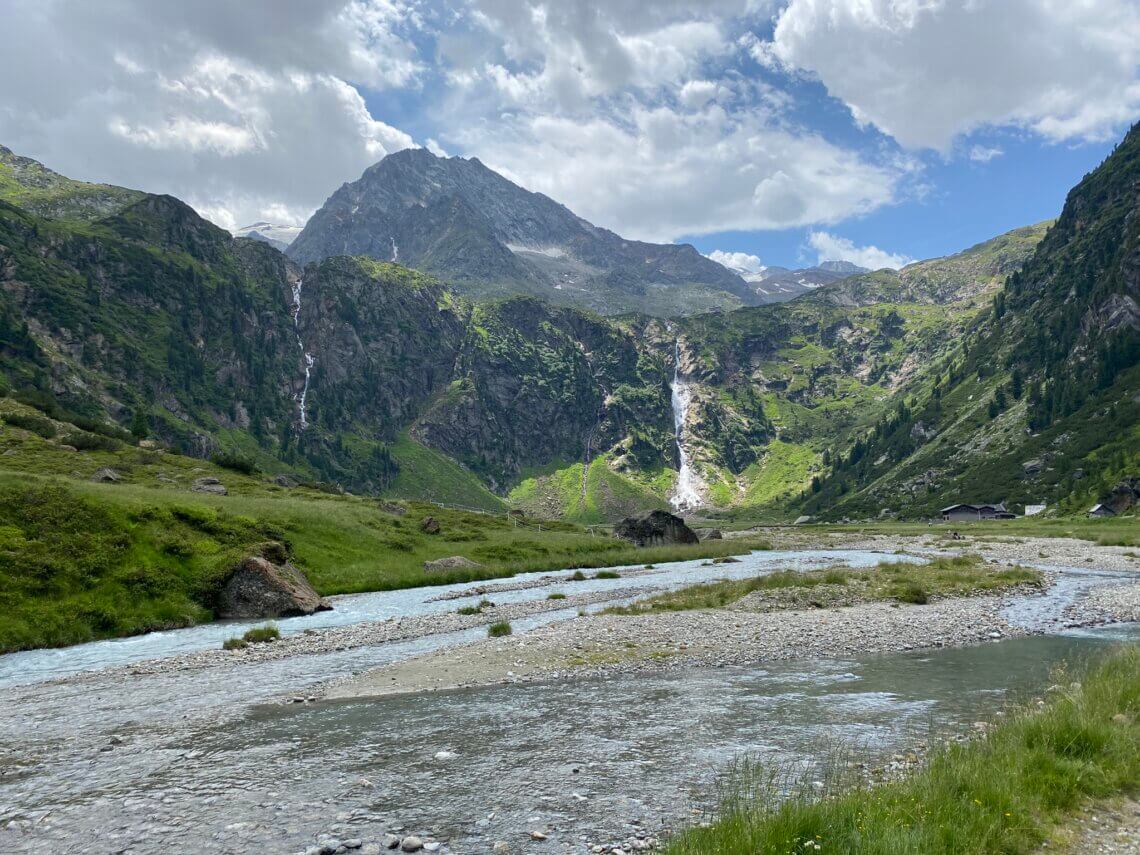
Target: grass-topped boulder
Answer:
pixel 267 585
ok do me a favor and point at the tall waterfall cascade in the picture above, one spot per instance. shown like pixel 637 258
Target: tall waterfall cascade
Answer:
pixel 686 493
pixel 307 358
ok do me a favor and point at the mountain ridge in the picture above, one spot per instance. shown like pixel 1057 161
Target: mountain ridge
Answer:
pixel 473 228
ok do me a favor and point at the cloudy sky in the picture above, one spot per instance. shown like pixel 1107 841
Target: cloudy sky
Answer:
pixel 763 131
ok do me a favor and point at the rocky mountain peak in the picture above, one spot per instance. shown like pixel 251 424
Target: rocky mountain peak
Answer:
pixel 525 242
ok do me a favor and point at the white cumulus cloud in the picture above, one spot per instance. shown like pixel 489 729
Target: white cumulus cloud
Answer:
pixel 831 247
pixel 241 109
pixel 738 261
pixel 926 71
pixel 984 154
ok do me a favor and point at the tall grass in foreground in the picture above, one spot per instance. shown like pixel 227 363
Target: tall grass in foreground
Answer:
pixel 1002 792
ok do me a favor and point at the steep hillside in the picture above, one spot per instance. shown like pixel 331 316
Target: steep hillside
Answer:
pixel 1041 401
pixel 474 229
pixel 31 185
pixel 974 273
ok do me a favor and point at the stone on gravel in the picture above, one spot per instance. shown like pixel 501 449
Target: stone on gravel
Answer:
pixel 501 848
pixel 411 843
pixel 391 841
pixel 656 528
pixel 260 589
pixel 454 562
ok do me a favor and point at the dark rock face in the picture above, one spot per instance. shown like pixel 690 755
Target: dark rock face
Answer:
pixel 430 525
pixel 656 528
pixel 261 589
pixel 472 227
pixel 1125 495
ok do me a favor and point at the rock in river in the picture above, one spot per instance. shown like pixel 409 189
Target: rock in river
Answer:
pixel 656 528
pixel 260 589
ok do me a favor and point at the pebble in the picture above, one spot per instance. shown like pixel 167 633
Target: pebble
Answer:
pixel 411 843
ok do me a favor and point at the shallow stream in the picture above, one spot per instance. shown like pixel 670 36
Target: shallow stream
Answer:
pixel 198 761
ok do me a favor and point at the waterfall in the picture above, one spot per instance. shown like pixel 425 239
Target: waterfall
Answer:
pixel 395 251
pixel 307 357
pixel 685 493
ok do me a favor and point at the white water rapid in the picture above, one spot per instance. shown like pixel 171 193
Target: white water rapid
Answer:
pixel 308 357
pixel 686 495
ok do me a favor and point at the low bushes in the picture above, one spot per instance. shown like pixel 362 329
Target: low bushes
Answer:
pixel 499 629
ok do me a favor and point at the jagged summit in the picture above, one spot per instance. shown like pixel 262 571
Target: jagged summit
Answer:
pixel 458 219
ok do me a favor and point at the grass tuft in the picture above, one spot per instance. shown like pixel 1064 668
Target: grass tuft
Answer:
pixel 499 629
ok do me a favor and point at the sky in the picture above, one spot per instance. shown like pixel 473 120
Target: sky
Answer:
pixel 765 132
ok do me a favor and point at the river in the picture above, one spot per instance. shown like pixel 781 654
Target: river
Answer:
pixel 203 761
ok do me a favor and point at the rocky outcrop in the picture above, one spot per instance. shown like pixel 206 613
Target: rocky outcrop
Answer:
pixel 656 528
pixel 260 588
pixel 209 485
pixel 455 562
pixel 1125 495
pixel 106 476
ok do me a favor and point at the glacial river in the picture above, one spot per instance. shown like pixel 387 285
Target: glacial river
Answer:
pixel 203 762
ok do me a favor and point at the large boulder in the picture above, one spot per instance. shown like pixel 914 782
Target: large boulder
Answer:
pixel 656 528
pixel 106 476
pixel 454 562
pixel 258 588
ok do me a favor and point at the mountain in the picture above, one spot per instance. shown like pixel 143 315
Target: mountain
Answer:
pixel 1006 371
pixel 277 236
pixel 974 273
pixel 779 284
pixel 1040 400
pixel 37 189
pixel 485 236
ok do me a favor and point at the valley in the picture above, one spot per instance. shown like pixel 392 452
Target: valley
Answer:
pixel 561 533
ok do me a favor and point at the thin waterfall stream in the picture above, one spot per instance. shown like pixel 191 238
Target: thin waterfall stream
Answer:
pixel 686 493
pixel 307 357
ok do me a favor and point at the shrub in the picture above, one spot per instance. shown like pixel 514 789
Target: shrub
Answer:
pixel 499 629
pixel 835 577
pixel 914 593
pixel 234 461
pixel 607 574
pixel 235 644
pixel 91 442
pixel 35 424
pixel 469 610
pixel 578 576
pixel 557 595
pixel 486 604
pixel 262 634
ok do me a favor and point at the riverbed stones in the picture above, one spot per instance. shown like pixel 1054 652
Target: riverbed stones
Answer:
pixel 411 843
pixel 454 562
pixel 259 589
pixel 655 528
